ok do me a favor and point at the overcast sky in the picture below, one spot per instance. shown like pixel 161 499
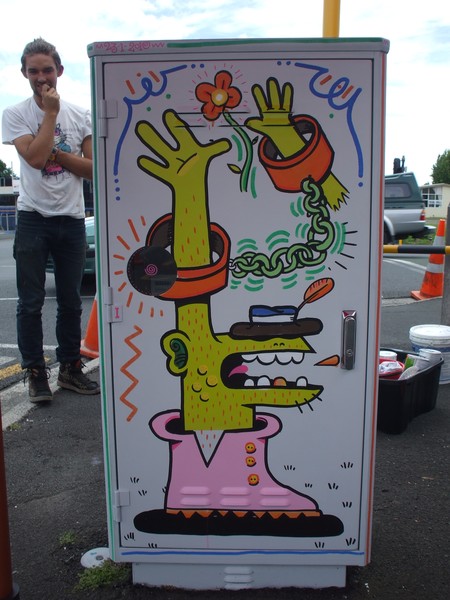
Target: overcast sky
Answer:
pixel 418 98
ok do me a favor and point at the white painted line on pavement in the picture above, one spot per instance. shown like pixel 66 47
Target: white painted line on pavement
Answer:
pixel 46 298
pixel 15 346
pixel 15 299
pixel 405 263
pixel 20 409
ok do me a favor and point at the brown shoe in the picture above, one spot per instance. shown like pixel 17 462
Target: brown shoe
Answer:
pixel 38 388
pixel 71 377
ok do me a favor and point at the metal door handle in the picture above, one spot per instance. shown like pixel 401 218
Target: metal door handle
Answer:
pixel 348 339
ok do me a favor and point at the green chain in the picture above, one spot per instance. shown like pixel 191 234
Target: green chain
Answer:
pixel 287 259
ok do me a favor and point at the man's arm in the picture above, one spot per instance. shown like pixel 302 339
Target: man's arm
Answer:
pixel 36 149
pixel 78 165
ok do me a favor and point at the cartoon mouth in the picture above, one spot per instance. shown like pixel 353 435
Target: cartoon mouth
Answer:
pixel 264 370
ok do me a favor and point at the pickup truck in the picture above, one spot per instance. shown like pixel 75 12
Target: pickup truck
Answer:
pixel 404 209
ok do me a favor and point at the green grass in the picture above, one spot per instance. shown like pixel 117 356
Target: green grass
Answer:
pixel 14 427
pixel 108 574
pixel 68 538
pixel 425 241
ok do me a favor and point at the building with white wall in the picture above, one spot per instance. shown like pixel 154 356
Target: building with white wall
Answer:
pixel 437 199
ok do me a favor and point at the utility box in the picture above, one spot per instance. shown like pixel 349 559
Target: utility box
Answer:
pixel 239 217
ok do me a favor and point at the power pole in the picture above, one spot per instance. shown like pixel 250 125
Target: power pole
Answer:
pixel 445 308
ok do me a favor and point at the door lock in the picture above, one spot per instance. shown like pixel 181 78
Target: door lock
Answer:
pixel 348 339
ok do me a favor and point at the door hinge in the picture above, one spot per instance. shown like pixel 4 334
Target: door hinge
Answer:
pixel 108 296
pixel 114 311
pixel 106 109
pixel 121 498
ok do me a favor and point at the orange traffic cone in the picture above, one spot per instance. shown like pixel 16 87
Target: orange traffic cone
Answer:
pixel 89 346
pixel 433 282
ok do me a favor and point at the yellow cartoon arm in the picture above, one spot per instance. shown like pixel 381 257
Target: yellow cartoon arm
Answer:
pixel 274 121
pixel 183 166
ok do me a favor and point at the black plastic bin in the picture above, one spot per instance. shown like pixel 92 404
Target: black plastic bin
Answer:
pixel 399 401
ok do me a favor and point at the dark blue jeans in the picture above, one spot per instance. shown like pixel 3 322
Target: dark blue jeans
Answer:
pixel 36 238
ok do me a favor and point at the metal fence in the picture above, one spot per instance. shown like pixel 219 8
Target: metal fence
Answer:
pixel 7 218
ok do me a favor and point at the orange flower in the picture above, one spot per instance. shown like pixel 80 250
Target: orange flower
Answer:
pixel 216 98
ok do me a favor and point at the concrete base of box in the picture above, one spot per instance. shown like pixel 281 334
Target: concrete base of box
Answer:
pixel 238 577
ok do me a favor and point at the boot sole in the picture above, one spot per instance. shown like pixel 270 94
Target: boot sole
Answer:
pixel 228 523
pixel 73 388
pixel 37 399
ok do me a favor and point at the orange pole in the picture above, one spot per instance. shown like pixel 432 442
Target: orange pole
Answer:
pixel 8 590
pixel 331 13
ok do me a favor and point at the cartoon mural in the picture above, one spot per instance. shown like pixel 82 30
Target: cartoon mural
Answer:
pixel 239 297
pixel 226 474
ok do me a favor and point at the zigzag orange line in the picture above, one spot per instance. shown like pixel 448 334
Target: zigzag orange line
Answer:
pixel 123 369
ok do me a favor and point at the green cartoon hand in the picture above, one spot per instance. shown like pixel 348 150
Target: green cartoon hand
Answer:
pixel 275 120
pixel 187 161
pixel 184 168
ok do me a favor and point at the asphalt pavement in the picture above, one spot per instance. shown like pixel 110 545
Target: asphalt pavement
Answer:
pixel 56 498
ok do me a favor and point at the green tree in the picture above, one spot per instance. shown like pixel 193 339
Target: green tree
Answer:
pixel 441 169
pixel 5 171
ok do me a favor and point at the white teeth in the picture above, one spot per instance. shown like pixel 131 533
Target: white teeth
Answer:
pixel 284 358
pixel 265 382
pixel 263 369
pixel 297 357
pixel 268 358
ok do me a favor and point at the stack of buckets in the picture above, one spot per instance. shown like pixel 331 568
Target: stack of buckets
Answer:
pixel 437 339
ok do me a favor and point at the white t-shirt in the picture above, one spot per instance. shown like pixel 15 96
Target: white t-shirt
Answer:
pixel 52 191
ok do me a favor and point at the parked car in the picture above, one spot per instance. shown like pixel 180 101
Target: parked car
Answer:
pixel 404 210
pixel 89 267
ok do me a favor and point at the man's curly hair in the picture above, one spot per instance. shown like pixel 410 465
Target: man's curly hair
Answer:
pixel 40 46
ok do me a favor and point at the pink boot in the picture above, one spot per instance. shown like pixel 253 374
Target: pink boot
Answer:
pixel 236 478
pixel 233 493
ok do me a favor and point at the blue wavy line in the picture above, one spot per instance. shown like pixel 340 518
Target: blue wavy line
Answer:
pixel 147 85
pixel 336 91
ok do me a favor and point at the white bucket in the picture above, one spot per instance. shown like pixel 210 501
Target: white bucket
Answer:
pixel 435 337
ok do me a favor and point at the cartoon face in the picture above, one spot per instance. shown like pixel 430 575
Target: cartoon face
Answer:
pixel 253 479
pixel 224 378
pixel 250 448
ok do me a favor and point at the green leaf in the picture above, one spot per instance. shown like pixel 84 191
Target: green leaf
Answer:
pixel 235 168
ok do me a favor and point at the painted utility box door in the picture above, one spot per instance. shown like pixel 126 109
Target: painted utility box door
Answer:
pixel 238 215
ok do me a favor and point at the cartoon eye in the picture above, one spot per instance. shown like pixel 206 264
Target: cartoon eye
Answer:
pixel 250 447
pixel 251 461
pixel 253 479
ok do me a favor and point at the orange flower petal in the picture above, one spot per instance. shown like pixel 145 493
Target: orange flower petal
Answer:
pixel 234 97
pixel 211 111
pixel 204 91
pixel 223 80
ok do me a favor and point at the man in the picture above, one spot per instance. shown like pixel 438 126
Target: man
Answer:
pixel 54 142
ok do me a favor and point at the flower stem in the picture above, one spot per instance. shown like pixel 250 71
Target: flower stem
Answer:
pixel 245 172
